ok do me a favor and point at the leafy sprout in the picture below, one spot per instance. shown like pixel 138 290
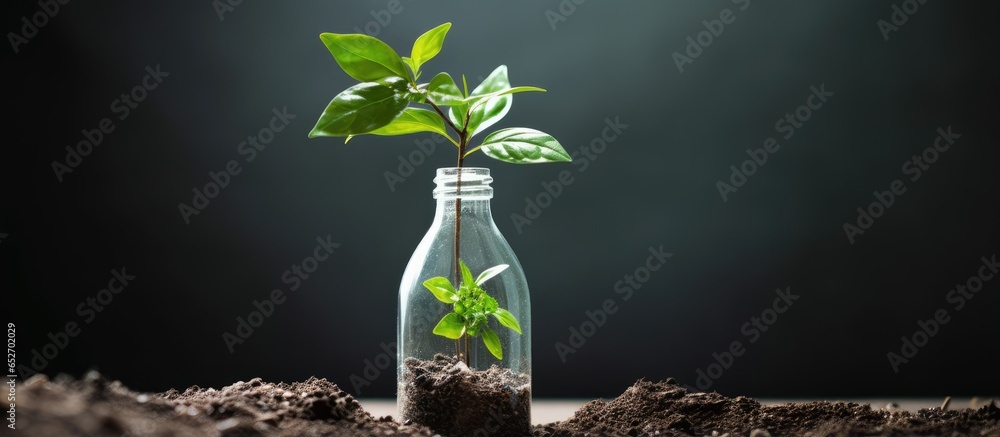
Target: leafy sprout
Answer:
pixel 381 103
pixel 472 308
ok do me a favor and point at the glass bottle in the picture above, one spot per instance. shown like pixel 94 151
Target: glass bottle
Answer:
pixel 488 396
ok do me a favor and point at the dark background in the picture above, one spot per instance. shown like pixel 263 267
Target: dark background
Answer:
pixel 655 185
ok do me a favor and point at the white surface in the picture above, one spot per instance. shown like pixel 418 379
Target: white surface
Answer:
pixel 542 410
pixel 555 410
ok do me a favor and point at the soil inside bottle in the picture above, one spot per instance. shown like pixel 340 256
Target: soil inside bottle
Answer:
pixel 454 400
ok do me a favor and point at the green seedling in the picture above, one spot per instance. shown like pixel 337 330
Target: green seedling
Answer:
pixel 472 308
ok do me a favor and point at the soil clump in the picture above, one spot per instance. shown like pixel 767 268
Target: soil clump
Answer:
pixel 95 406
pixel 447 396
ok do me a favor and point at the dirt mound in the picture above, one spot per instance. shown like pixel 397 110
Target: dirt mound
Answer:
pixel 96 407
pixel 667 409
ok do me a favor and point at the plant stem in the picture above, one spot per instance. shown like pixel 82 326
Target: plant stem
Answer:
pixel 445 118
pixel 466 350
pixel 463 143
pixel 458 266
pixel 458 222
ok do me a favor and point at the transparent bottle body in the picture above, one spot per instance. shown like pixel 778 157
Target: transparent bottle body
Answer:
pixel 481 246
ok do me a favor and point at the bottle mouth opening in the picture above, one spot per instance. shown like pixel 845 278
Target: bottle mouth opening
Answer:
pixel 465 183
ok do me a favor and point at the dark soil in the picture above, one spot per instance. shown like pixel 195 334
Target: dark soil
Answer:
pixel 447 396
pixel 96 407
pixel 666 409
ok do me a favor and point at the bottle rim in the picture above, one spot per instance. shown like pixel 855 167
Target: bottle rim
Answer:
pixel 463 183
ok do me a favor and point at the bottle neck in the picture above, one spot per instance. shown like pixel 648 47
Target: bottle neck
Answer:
pixel 470 207
pixel 466 183
pixel 465 189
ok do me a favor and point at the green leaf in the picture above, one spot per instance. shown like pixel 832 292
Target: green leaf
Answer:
pixel 490 272
pixel 492 342
pixel 443 91
pixel 490 304
pixel 363 57
pixel 507 319
pixel 413 68
pixel 442 289
pixel 451 326
pixel 474 101
pixel 413 120
pixel 475 104
pixel 473 329
pixel 362 108
pixel 457 113
pixel 520 145
pixel 428 45
pixel 466 274
pixel 492 110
